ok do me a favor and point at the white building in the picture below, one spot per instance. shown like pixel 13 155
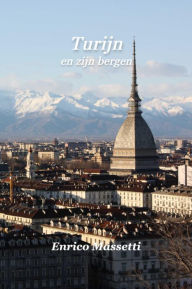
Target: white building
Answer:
pixel 130 195
pixel 16 154
pixel 166 150
pixel 179 143
pixel 30 217
pixel 185 173
pixel 27 146
pixel 30 168
pixel 175 200
pixel 48 155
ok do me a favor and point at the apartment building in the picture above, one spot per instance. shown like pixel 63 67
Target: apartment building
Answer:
pixel 27 262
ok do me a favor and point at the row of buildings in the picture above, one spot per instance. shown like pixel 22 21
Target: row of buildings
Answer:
pixel 30 259
pixel 133 193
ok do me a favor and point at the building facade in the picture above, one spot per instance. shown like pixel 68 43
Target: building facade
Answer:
pixel 30 217
pixel 185 173
pixel 130 195
pixel 28 262
pixel 120 269
pixel 48 155
pixel 174 200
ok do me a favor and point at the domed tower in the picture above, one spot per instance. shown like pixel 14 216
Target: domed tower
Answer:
pixel 134 147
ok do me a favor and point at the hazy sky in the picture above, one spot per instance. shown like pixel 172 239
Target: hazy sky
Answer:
pixel 36 35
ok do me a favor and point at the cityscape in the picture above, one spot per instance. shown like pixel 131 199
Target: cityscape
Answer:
pixel 95 192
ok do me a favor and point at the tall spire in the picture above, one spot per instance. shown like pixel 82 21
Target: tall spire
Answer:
pixel 134 72
pixel 134 98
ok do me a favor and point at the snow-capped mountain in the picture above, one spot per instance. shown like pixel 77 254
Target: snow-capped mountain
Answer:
pixel 33 102
pixel 32 114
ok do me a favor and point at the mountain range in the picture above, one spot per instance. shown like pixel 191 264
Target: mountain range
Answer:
pixel 26 114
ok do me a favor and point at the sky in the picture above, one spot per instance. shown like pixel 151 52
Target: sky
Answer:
pixel 37 35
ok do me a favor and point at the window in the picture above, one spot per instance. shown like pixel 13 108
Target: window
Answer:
pixel 12 262
pixel 123 254
pixel 35 283
pixel 59 271
pixel 145 254
pixel 137 253
pixel 43 272
pixel 27 284
pixel 153 265
pixel 137 266
pixel 36 273
pixel 43 283
pixel 123 267
pixel 20 285
pixel 44 261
